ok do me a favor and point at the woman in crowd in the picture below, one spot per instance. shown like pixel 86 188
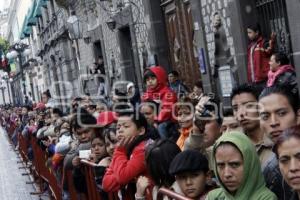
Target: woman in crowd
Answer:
pixel 281 72
pixel 129 155
pixel 287 150
pixel 238 169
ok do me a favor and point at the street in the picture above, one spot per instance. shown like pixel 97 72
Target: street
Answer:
pixel 12 184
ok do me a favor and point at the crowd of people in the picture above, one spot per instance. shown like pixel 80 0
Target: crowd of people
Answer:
pixel 175 138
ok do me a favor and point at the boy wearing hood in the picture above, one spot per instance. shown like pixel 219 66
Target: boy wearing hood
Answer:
pixel 158 91
pixel 237 167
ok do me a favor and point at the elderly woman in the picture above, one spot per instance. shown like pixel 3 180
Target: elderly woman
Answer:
pixel 238 169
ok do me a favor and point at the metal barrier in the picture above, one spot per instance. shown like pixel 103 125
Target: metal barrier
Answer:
pixel 88 168
pixel 45 173
pixel 23 148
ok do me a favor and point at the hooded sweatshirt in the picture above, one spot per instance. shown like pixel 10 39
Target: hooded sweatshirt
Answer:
pixel 161 94
pixel 253 184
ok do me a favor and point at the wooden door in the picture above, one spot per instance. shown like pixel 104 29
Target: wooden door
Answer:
pixel 179 26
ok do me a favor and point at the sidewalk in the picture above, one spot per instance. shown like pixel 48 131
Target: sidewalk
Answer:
pixel 12 184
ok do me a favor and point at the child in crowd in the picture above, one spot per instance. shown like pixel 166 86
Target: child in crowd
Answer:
pixel 98 150
pixel 159 156
pixel 192 174
pixel 129 155
pixel 185 120
pixel 110 140
pixel 158 91
pixel 150 110
pixel 81 124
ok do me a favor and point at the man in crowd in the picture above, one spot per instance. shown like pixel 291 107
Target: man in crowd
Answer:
pixel 244 100
pixel 279 111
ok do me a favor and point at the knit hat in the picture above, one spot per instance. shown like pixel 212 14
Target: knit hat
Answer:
pixel 106 118
pixel 188 161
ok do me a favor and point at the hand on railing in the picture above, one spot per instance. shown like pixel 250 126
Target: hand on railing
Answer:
pixel 171 194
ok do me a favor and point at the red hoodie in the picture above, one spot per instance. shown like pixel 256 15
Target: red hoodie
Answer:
pixel 162 94
pixel 258 60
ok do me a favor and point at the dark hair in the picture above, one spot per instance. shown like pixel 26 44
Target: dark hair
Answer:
pixel 137 118
pixel 255 90
pixel 199 84
pixel 140 121
pixel 293 132
pixel 92 106
pixel 174 73
pixel 255 27
pixel 292 98
pixel 107 131
pixel 28 108
pixel 228 113
pixel 99 136
pixel 82 119
pixel 154 105
pixel 148 74
pixel 281 58
pixel 185 102
pixel 57 111
pixel 47 93
pixel 159 156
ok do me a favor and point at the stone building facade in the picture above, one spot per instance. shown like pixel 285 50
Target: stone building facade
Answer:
pixel 131 35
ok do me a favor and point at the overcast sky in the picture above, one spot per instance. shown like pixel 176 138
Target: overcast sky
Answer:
pixel 4 4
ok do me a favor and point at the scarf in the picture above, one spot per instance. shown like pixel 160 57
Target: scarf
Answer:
pixel 272 76
pixel 184 134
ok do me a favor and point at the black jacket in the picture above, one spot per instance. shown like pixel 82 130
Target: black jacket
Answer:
pixel 274 180
pixel 288 79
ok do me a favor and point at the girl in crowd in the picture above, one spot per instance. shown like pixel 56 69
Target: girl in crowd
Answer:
pixel 238 169
pixel 129 155
pixel 159 156
pixel 287 150
pixel 98 150
pixel 185 120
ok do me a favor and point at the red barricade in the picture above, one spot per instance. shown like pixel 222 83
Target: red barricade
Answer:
pixel 71 189
pixel 40 160
pixel 11 129
pixel 88 168
pixel 23 147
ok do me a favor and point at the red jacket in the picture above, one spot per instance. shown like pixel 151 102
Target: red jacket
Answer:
pixel 258 60
pixel 123 171
pixel 162 94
